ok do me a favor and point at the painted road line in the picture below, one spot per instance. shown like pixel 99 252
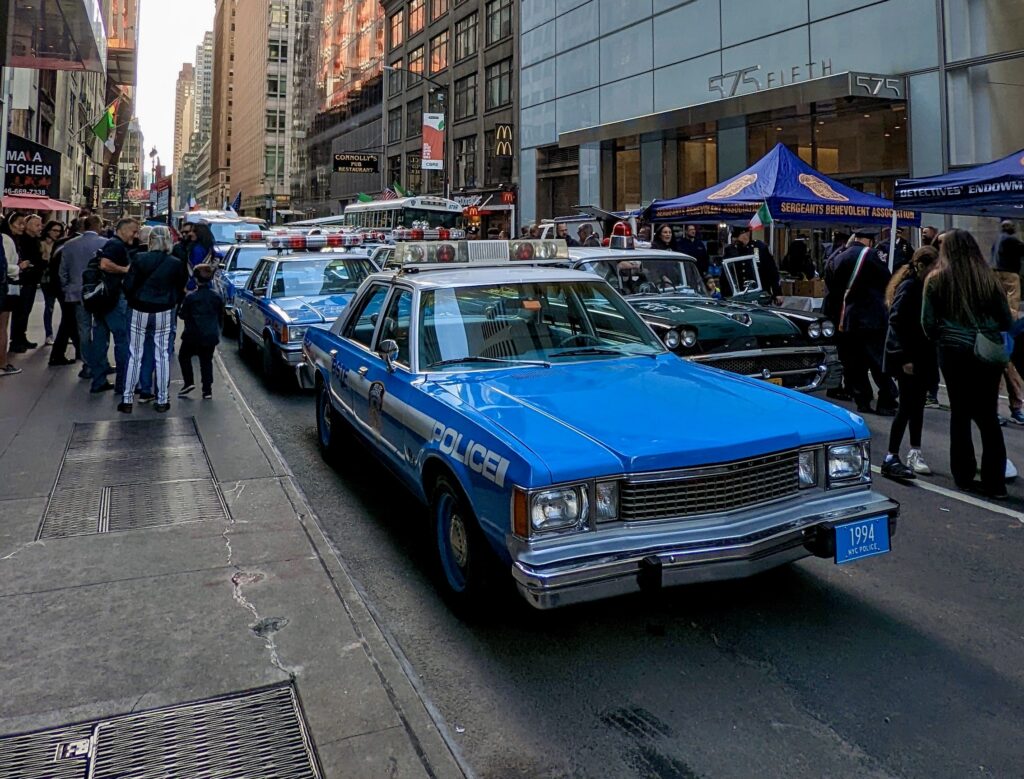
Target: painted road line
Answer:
pixel 963 497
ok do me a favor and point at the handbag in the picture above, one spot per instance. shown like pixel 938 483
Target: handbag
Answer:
pixel 993 352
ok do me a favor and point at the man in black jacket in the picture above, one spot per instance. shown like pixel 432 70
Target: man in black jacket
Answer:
pixel 692 245
pixel 115 258
pixel 32 266
pixel 856 300
pixel 203 313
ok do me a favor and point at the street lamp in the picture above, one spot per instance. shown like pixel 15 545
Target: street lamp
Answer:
pixel 443 98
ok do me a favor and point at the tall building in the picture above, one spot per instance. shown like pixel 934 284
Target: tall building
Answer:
pixel 458 59
pixel 267 93
pixel 204 85
pixel 342 56
pixel 184 107
pixel 719 83
pixel 215 179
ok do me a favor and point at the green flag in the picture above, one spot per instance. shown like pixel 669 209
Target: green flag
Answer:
pixel 364 198
pixel 398 188
pixel 762 218
pixel 104 129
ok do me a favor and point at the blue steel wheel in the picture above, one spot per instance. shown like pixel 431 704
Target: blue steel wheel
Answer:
pixel 328 428
pixel 461 549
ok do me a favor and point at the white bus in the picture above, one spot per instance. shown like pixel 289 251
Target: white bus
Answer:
pixel 402 212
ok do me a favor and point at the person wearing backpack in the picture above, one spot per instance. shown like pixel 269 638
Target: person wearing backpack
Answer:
pixel 75 257
pixel 153 288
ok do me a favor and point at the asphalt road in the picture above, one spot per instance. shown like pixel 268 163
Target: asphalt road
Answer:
pixel 908 665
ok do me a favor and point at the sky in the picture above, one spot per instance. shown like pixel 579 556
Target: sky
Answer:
pixel 168 35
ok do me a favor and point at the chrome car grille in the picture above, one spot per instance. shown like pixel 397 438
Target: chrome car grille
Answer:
pixel 711 490
pixel 774 363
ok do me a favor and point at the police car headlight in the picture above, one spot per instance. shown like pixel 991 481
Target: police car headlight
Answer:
pixel 689 338
pixel 558 509
pixel 849 464
pixel 296 334
pixel 808 469
pixel 672 339
pixel 814 330
pixel 606 501
pixel 828 329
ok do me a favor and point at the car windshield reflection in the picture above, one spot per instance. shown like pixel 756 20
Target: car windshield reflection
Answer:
pixel 650 276
pixel 304 278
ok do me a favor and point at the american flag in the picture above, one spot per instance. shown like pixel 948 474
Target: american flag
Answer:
pixel 388 194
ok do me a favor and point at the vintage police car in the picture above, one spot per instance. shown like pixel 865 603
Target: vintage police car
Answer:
pixel 234 270
pixel 792 349
pixel 285 294
pixel 541 421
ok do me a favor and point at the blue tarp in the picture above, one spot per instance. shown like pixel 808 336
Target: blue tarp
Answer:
pixel 995 189
pixel 795 193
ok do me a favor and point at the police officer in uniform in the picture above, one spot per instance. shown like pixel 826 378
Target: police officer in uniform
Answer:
pixel 855 301
pixel 741 246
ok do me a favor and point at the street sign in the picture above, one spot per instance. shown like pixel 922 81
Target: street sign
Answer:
pixel 346 162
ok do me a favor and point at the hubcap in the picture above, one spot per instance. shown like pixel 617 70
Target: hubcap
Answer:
pixel 458 541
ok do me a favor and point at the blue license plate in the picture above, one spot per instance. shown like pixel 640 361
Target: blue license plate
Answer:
pixel 863 538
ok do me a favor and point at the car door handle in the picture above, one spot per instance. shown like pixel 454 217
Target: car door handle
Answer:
pixel 362 371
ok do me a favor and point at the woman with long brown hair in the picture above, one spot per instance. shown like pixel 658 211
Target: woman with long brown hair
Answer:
pixel 910 359
pixel 965 310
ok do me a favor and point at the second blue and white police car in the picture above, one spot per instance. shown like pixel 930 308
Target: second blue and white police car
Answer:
pixel 554 438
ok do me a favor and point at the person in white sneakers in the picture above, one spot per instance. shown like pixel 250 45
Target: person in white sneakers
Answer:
pixel 911 360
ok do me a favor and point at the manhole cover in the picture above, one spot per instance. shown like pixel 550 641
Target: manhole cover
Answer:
pixel 252 734
pixel 127 475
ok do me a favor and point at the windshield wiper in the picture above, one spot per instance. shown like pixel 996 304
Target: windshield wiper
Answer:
pixel 583 350
pixel 479 358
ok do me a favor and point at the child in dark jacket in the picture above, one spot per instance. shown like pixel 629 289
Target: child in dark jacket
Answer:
pixel 203 314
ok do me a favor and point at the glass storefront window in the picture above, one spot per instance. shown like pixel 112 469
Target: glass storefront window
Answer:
pixel 627 173
pixel 986 111
pixel 698 163
pixel 977 28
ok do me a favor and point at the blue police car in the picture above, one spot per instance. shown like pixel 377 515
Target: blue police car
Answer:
pixel 286 293
pixel 556 439
pixel 234 270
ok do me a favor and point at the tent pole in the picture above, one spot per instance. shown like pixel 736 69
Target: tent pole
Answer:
pixel 892 238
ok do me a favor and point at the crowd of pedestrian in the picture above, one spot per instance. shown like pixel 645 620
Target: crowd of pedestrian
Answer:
pixel 115 283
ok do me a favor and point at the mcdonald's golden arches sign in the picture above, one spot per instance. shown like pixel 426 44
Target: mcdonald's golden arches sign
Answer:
pixel 503 139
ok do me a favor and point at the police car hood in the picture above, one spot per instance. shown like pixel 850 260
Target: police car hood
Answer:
pixel 632 415
pixel 313 309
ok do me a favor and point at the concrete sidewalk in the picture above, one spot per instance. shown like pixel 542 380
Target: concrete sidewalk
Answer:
pixel 150 611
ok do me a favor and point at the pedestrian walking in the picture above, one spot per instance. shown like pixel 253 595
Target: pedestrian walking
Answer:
pixel 690 244
pixel 9 300
pixel 855 296
pixel 203 314
pixel 153 288
pixel 48 283
pixel 910 359
pixel 74 258
pixel 114 260
pixel 966 312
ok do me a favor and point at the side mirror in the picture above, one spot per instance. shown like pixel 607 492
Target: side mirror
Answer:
pixel 388 351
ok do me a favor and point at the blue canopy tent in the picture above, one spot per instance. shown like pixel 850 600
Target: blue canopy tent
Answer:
pixel 995 189
pixel 795 193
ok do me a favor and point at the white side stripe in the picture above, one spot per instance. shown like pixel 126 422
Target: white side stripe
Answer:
pixel 963 497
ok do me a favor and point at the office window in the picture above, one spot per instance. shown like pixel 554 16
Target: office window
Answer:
pixel 273 162
pixel 395 78
pixel 277 51
pixel 277 85
pixel 466 31
pixel 414 118
pixel 438 8
pixel 395 125
pixel 413 173
pixel 498 84
pixel 278 16
pixel 465 97
pixel 395 166
pixel 465 161
pixel 417 16
pixel 396 25
pixel 439 52
pixel 499 20
pixel 415 65
pixel 276 118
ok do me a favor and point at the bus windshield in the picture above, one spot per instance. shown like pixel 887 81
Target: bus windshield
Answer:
pixel 385 218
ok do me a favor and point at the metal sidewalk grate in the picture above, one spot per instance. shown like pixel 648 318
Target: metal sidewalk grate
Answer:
pixel 252 734
pixel 127 475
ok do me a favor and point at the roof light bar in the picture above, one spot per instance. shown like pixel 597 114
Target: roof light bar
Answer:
pixel 477 252
pixel 418 234
pixel 299 242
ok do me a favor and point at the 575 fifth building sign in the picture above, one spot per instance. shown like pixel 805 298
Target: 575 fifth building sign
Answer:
pixel 754 78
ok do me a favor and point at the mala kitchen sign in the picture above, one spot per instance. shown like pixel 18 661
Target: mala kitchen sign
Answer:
pixel 31 169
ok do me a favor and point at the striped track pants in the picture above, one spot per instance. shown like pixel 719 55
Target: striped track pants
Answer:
pixel 158 327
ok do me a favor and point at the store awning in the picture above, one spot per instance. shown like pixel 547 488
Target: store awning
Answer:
pixel 55 35
pixel 795 193
pixel 36 203
pixel 994 189
pixel 817 90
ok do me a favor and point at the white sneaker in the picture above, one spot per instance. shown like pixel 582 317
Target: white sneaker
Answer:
pixel 1011 470
pixel 915 461
pixel 48 341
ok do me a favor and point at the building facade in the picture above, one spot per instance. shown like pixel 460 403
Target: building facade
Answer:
pixel 184 109
pixel 623 103
pixel 215 185
pixel 460 59
pixel 342 57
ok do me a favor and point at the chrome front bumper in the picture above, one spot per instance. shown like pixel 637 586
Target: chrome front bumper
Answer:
pixel 828 373
pixel 664 557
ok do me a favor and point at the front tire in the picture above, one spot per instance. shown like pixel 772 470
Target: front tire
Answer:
pixel 243 343
pixel 328 425
pixel 269 363
pixel 462 552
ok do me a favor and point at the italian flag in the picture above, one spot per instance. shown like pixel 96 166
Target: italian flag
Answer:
pixel 104 128
pixel 762 218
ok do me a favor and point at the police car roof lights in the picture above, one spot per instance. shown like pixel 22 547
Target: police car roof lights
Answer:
pixel 438 254
pixel 300 242
pixel 424 234
pixel 621 237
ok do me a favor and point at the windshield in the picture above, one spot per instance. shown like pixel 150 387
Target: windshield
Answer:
pixel 550 322
pixel 649 276
pixel 224 232
pixel 390 218
pixel 304 278
pixel 247 256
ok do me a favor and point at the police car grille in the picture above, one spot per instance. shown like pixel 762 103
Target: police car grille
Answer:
pixel 707 491
pixel 749 366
